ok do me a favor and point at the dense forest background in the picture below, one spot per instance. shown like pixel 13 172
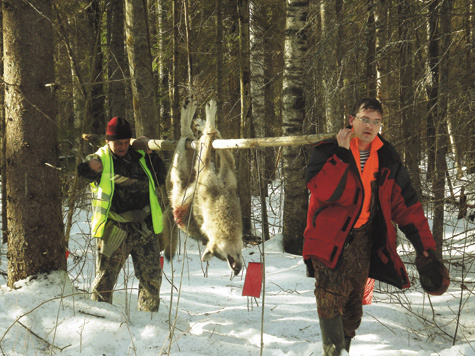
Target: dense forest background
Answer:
pixel 275 68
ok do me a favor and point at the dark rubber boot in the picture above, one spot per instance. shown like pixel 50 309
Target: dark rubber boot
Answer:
pixel 333 337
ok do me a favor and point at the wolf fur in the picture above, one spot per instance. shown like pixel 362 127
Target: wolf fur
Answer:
pixel 204 198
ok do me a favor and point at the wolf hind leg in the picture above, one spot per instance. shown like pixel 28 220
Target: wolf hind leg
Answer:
pixel 211 109
pixel 187 112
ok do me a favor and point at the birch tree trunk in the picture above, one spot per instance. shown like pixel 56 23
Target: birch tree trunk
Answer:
pixel 295 187
pixel 117 65
pixel 140 67
pixel 35 238
pixel 441 128
pixel 246 115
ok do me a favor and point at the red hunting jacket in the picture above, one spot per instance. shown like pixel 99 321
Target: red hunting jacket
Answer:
pixel 336 201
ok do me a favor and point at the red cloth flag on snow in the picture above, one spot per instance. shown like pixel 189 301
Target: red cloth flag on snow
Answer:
pixel 253 281
pixel 368 291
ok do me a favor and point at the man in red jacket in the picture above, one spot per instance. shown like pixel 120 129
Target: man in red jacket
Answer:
pixel 358 187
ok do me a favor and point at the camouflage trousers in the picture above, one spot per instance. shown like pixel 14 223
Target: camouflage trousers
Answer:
pixel 340 291
pixel 145 252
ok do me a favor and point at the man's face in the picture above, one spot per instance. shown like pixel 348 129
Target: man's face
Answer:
pixel 366 132
pixel 119 147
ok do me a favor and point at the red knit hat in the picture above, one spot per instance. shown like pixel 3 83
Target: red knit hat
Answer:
pixel 118 129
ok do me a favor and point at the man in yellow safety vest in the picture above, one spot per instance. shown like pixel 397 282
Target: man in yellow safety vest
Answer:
pixel 126 213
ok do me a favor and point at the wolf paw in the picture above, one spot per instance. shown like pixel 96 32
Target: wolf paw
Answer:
pixel 211 109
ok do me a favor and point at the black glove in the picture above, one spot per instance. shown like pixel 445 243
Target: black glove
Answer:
pixel 434 276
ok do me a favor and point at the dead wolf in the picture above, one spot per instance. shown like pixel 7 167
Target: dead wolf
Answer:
pixel 203 191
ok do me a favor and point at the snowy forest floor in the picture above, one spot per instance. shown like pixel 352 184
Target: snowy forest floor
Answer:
pixel 53 315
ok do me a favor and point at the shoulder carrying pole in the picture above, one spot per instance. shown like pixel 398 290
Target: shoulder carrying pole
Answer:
pixel 169 145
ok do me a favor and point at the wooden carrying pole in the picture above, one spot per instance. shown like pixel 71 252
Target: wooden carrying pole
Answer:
pixel 170 145
pixel 164 145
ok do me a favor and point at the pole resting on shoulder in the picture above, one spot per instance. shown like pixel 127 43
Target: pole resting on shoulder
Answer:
pixel 170 145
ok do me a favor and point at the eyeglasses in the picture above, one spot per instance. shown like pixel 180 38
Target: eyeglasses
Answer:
pixel 366 121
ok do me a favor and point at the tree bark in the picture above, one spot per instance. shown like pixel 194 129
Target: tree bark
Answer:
pixel 244 158
pixel 441 128
pixel 470 85
pixel 164 69
pixel 410 122
pixel 117 65
pixel 36 242
pixel 258 169
pixel 97 113
pixel 175 94
pixel 432 87
pixel 316 102
pixel 471 67
pixel 257 56
pixel 382 57
pixel 189 50
pixel 388 59
pixel 331 78
pixel 273 69
pixel 219 61
pixel 295 188
pixel 371 52
pixel 3 147
pixel 140 66
pixel 79 43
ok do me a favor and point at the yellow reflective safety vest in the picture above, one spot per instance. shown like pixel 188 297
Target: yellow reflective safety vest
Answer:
pixel 104 191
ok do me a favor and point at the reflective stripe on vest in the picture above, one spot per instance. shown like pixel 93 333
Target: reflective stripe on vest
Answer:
pixel 157 217
pixel 103 192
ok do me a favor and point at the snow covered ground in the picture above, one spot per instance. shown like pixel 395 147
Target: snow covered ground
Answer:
pixel 203 311
pixel 207 315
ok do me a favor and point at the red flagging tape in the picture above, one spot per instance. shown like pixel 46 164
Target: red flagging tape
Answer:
pixel 161 262
pixel 253 281
pixel 368 291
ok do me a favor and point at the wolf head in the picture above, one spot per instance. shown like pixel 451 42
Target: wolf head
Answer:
pixel 222 222
pixel 225 252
